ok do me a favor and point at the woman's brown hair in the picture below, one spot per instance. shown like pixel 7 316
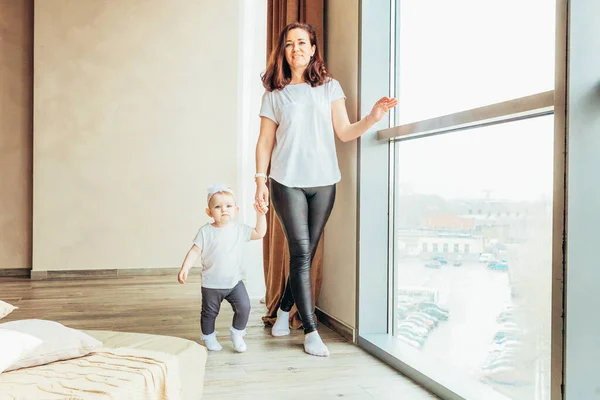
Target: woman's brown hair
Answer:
pixel 279 74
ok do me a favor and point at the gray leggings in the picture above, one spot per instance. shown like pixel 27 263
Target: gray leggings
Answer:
pixel 211 304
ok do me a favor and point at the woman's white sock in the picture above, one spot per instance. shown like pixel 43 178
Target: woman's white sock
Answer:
pixel 211 342
pixel 237 337
pixel 314 345
pixel 282 324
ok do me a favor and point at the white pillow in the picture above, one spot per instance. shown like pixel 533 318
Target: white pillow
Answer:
pixel 5 309
pixel 59 342
pixel 15 345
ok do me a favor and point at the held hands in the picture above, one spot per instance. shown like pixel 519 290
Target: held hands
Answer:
pixel 381 108
pixel 261 209
pixel 261 199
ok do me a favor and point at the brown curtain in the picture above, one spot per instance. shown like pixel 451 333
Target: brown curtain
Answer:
pixel 276 257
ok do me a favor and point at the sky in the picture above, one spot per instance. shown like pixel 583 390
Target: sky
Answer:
pixel 461 54
pixel 514 161
pixel 450 61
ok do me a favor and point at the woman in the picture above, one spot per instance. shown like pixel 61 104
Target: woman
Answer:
pixel 301 109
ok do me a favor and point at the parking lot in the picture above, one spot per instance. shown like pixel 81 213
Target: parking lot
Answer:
pixel 474 295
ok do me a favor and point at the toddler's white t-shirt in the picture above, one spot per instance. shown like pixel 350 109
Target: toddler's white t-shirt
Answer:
pixel 222 250
pixel 304 152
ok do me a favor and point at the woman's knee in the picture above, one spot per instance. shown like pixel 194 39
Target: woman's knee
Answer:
pixel 300 262
pixel 300 251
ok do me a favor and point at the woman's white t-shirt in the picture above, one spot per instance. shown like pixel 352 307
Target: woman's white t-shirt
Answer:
pixel 304 151
pixel 222 250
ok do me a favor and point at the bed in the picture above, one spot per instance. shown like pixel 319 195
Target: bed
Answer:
pixel 127 366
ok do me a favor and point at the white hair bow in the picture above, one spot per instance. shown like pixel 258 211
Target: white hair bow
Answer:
pixel 218 188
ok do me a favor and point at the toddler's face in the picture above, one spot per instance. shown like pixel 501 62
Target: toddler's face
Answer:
pixel 222 208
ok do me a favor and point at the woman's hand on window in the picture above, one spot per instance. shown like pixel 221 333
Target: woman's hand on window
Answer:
pixel 381 108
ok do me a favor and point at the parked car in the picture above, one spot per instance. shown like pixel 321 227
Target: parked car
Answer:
pixel 421 320
pixel 505 316
pixel 499 265
pixel 486 257
pixel 507 333
pixel 427 316
pixel 413 328
pixel 502 354
pixel 503 337
pixel 504 375
pixel 413 343
pixel 433 264
pixel 509 325
pixel 505 346
pixel 441 260
pixel 412 336
pixel 429 304
pixel 406 306
pixel 500 362
pixel 436 312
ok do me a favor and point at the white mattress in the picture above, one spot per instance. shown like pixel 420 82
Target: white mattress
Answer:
pixel 129 365
pixel 190 355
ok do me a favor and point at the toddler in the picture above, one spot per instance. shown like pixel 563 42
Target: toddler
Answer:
pixel 219 244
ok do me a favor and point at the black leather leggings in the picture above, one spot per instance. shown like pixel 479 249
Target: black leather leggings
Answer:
pixel 303 213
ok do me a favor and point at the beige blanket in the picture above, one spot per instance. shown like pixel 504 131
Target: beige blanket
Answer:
pixel 121 373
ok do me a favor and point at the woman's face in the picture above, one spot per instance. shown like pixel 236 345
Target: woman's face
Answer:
pixel 298 49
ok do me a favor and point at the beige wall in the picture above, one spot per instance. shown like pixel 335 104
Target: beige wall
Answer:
pixel 16 41
pixel 338 293
pixel 135 114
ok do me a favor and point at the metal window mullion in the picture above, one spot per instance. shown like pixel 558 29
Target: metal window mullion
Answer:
pixel 508 111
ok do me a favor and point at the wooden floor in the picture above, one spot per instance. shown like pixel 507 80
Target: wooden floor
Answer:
pixel 272 368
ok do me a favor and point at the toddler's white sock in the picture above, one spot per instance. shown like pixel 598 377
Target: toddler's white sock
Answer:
pixel 237 337
pixel 282 324
pixel 314 345
pixel 211 342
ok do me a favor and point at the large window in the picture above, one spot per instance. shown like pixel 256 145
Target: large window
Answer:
pixel 485 313
pixel 470 195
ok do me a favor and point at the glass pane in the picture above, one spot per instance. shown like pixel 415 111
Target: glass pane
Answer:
pixel 461 54
pixel 473 235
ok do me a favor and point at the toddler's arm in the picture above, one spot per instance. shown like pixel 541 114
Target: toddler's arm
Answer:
pixel 190 259
pixel 261 223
